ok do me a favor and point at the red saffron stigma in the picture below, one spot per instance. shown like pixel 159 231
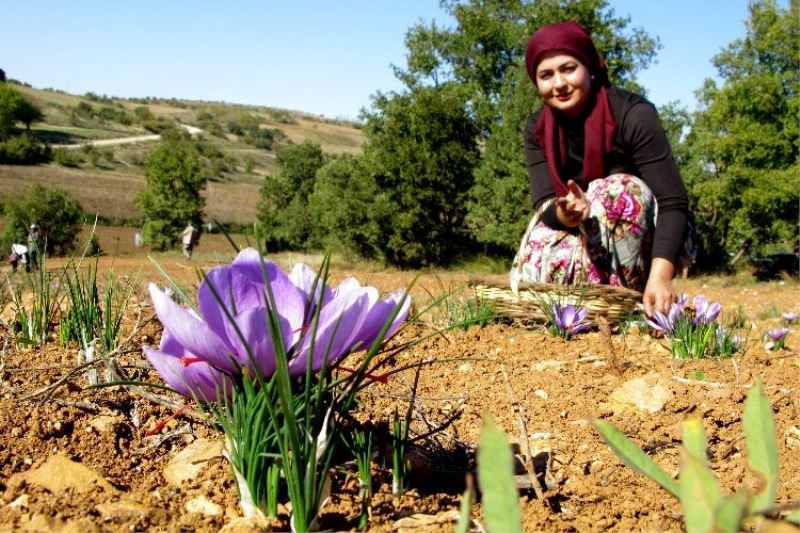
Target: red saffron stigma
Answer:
pixel 161 423
pixel 187 360
pixel 301 328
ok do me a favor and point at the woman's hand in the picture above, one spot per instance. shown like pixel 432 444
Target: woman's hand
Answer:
pixel 573 208
pixel 659 293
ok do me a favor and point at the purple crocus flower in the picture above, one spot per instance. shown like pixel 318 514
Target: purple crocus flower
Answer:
pixel 199 352
pixel 666 323
pixel 705 312
pixel 777 334
pixel 790 318
pixel 569 320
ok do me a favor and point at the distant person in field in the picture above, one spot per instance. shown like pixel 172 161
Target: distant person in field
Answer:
pixel 138 239
pixel 191 236
pixel 19 254
pixel 610 204
pixel 34 247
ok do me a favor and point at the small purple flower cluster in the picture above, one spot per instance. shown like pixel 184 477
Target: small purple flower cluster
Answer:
pixel 698 335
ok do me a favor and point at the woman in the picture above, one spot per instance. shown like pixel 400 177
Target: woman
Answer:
pixel 611 206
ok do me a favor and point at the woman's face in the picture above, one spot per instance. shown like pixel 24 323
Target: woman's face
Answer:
pixel 564 83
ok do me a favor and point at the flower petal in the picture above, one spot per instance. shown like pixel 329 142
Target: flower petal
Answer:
pixel 305 278
pixel 252 324
pixel 377 316
pixel 190 332
pixel 339 323
pixel 198 379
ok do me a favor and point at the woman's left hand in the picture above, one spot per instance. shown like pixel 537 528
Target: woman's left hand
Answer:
pixel 659 294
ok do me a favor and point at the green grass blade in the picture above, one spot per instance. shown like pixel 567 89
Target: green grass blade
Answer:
pixel 496 480
pixel 694 439
pixel 794 517
pixel 700 494
pixel 728 518
pixel 462 526
pixel 762 451
pixel 634 457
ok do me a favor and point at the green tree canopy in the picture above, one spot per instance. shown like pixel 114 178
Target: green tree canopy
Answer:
pixel 53 209
pixel 172 198
pixel 422 148
pixel 348 208
pixel 15 108
pixel 283 214
pixel 744 174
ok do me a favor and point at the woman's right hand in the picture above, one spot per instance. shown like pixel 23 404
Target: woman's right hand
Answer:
pixel 572 209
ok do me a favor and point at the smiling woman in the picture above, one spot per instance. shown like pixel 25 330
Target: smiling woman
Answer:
pixel 611 207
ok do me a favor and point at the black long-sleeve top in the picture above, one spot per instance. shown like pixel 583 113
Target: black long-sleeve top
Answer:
pixel 640 148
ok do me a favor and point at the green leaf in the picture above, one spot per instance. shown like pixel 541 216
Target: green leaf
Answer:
pixel 728 518
pixel 694 439
pixel 634 457
pixel 794 517
pixel 462 526
pixel 496 480
pixel 759 432
pixel 700 494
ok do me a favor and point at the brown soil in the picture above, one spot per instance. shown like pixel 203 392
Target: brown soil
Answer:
pixel 73 458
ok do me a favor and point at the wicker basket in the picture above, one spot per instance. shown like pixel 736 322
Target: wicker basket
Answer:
pixel 612 303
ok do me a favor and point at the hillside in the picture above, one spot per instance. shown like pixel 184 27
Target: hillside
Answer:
pixel 239 147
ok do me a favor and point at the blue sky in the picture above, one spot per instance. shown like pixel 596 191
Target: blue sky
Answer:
pixel 323 56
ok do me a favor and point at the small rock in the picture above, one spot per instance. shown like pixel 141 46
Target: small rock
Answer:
pixel 645 394
pixel 125 511
pixel 541 394
pixel 46 523
pixel 188 463
pixel 204 506
pixel 104 423
pixel 793 437
pixel 20 503
pixel 466 367
pixel 59 474
pixel 252 524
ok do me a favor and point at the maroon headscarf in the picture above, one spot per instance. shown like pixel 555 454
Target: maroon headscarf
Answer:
pixel 598 125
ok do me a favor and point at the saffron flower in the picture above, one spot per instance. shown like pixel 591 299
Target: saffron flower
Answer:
pixel 778 337
pixel 569 320
pixel 705 312
pixel 201 352
pixel 667 323
pixel 790 318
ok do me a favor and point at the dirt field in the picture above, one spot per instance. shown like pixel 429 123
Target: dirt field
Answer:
pixel 73 459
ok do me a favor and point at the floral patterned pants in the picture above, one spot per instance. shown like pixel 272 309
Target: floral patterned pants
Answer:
pixel 612 246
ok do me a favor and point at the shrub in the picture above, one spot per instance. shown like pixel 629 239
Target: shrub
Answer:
pixel 23 149
pixel 55 210
pixel 67 158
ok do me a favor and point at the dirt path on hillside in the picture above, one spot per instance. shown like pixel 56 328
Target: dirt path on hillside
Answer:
pixel 193 131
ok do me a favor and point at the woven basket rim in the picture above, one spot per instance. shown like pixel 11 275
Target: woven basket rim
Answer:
pixel 586 290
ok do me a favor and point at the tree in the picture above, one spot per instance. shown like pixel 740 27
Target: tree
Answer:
pixel 283 209
pixel 348 208
pixel 15 146
pixel 422 149
pixel 172 198
pixel 744 172
pixel 56 212
pixel 484 54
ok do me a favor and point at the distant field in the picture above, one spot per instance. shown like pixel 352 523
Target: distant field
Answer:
pixel 111 194
pixel 106 182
